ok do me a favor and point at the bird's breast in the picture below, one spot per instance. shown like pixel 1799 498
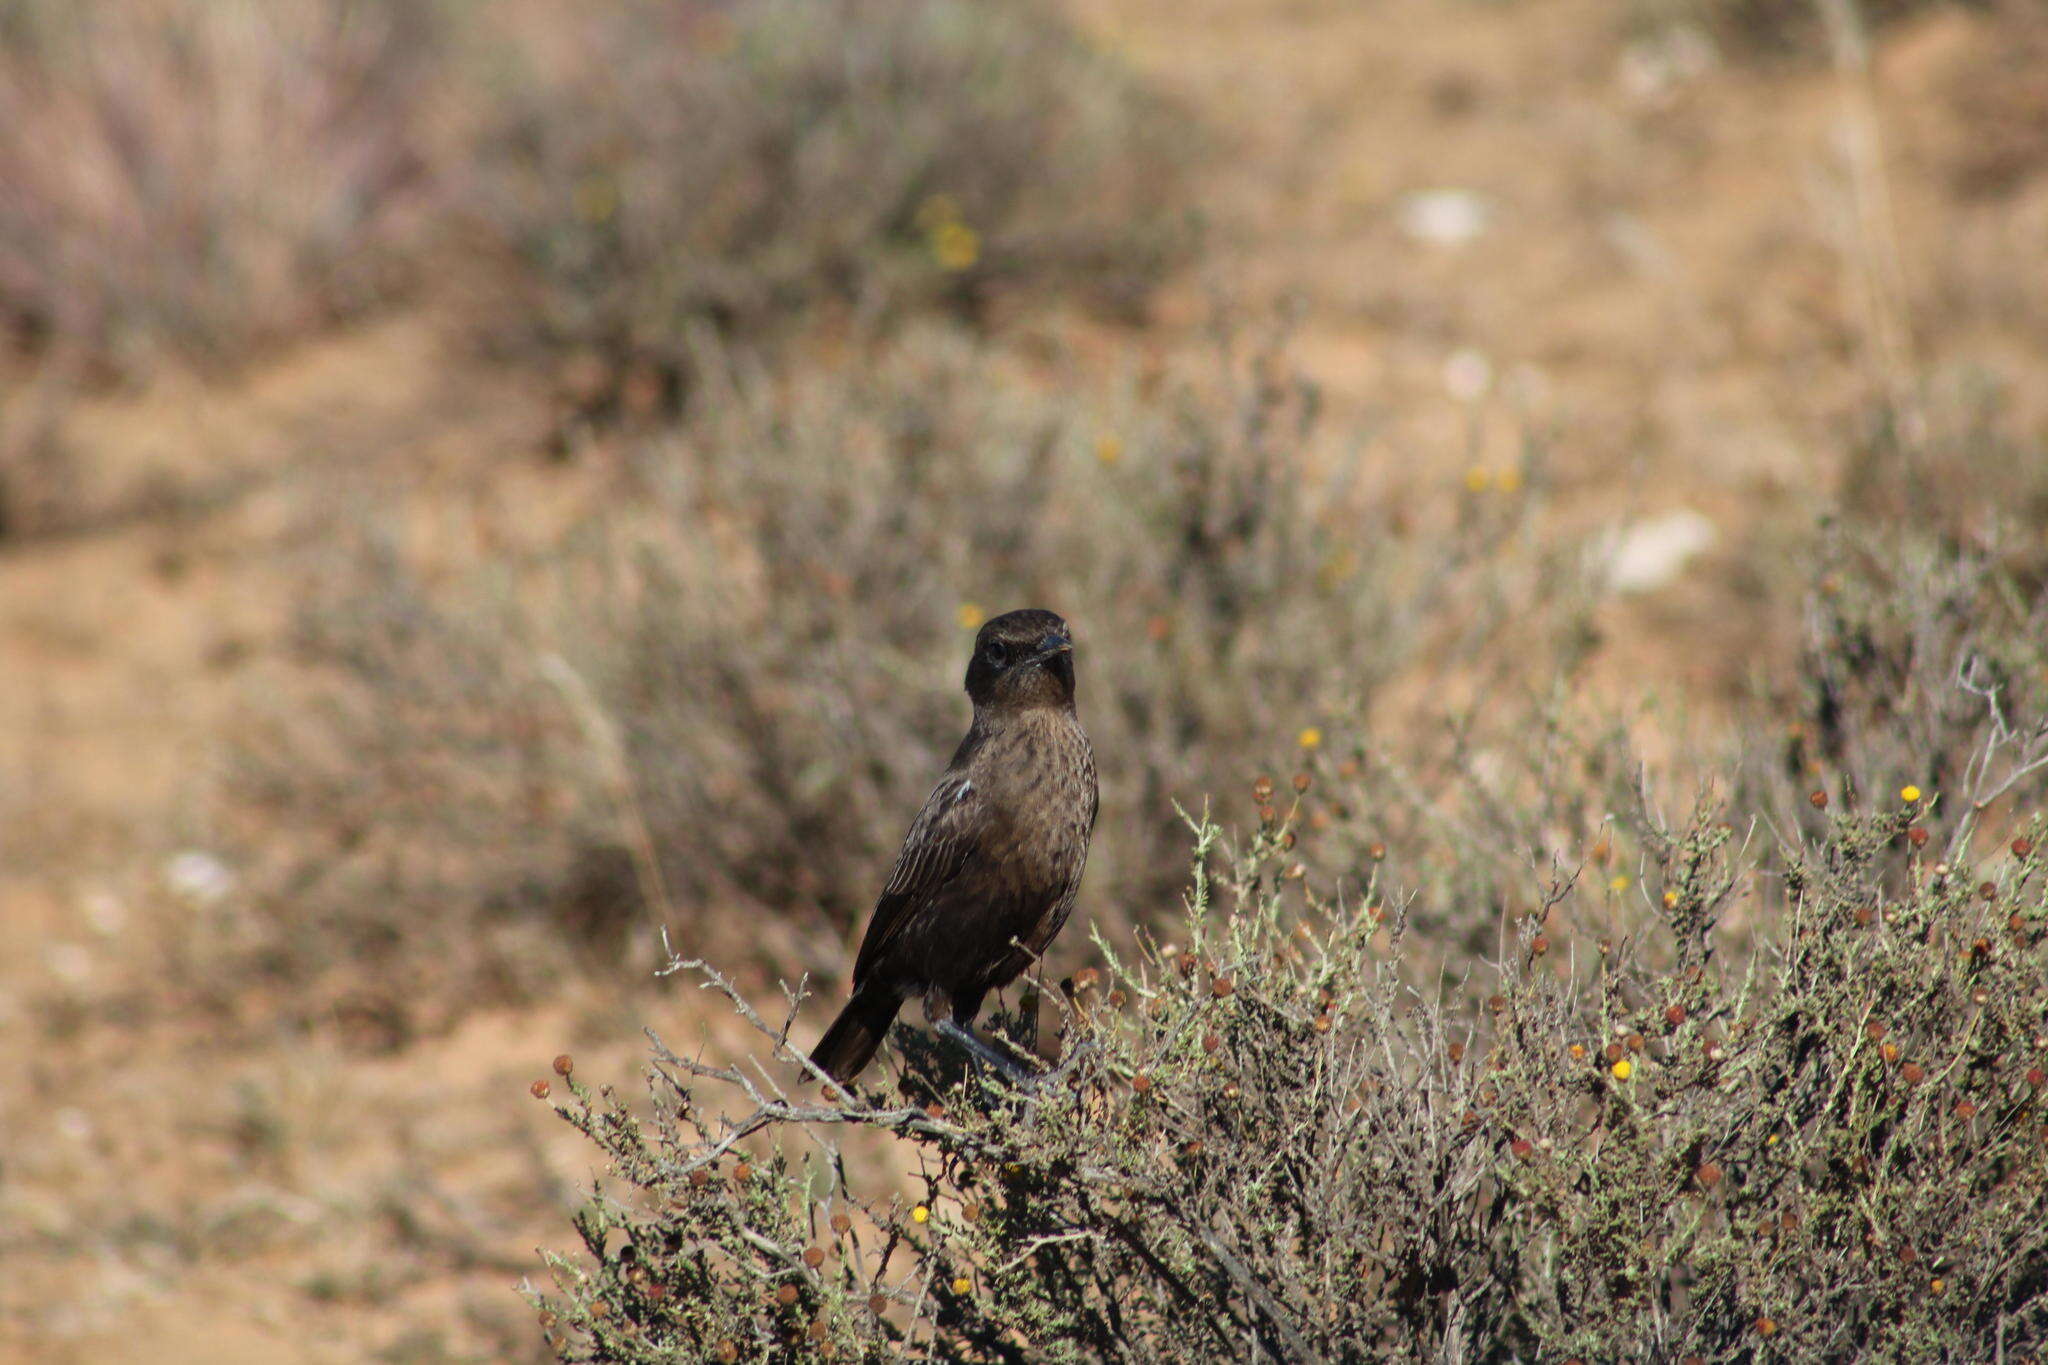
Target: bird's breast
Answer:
pixel 1039 778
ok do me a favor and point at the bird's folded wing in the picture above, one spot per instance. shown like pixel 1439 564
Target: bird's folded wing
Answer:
pixel 941 839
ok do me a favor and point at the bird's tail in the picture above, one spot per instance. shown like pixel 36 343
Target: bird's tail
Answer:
pixel 850 1043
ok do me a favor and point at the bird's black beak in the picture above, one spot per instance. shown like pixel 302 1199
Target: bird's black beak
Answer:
pixel 1054 643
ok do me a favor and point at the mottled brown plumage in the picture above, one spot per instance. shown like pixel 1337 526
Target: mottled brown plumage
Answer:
pixel 988 872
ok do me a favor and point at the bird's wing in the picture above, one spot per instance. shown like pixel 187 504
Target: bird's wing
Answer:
pixel 941 839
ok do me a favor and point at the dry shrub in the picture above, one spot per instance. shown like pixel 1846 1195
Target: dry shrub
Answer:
pixel 1282 1132
pixel 794 617
pixel 1763 30
pixel 757 651
pixel 1267 1144
pixel 439 800
pixel 662 167
pixel 202 176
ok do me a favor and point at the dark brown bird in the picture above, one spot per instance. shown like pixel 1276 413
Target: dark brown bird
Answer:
pixel 988 872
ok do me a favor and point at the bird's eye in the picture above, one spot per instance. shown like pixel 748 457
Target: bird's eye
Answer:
pixel 997 652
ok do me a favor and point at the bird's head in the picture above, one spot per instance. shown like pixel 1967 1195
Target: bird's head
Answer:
pixel 1022 659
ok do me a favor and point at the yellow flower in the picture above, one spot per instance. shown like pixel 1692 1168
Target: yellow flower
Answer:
pixel 1478 480
pixel 1108 449
pixel 1623 1069
pixel 597 199
pixel 1309 738
pixel 1336 569
pixel 1618 883
pixel 1909 794
pixel 962 1285
pixel 920 1214
pixel 1670 899
pixel 937 210
pixel 955 246
pixel 971 616
pixel 1510 479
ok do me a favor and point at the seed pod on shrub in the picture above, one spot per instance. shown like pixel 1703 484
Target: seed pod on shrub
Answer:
pixel 564 1064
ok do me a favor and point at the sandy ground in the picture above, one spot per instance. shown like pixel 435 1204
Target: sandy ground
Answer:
pixel 1492 220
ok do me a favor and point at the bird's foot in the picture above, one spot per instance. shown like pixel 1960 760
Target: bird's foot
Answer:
pixel 1016 1073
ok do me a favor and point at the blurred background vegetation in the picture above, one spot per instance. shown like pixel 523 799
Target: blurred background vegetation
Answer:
pixel 481 485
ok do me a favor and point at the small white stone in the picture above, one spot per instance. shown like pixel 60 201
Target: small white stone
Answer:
pixel 1445 217
pixel 70 963
pixel 1650 553
pixel 1468 374
pixel 104 913
pixel 199 877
